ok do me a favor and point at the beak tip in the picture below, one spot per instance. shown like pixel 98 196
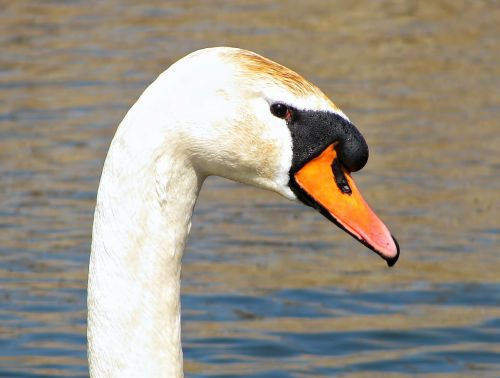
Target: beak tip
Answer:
pixel 392 260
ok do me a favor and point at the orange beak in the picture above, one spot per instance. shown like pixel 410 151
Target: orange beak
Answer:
pixel 346 207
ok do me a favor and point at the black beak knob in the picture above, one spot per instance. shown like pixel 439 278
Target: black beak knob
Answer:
pixel 352 148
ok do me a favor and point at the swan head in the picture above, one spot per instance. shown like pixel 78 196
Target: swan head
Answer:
pixel 255 121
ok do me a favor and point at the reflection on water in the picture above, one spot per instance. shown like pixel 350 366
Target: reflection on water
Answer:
pixel 251 332
pixel 270 289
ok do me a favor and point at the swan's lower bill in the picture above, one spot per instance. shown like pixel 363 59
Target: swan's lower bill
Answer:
pixel 344 205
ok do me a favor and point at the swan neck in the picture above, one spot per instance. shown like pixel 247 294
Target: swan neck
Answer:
pixel 141 223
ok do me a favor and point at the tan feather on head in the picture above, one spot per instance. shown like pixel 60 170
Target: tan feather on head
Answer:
pixel 257 65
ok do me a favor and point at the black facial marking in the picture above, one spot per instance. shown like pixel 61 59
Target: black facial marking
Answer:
pixel 313 131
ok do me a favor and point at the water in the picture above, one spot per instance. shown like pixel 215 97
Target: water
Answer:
pixel 270 288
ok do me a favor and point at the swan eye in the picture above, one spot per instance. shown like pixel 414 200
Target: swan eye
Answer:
pixel 281 111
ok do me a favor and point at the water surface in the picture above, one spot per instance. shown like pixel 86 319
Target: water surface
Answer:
pixel 270 288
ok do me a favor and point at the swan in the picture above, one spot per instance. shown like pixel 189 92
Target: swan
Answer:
pixel 218 111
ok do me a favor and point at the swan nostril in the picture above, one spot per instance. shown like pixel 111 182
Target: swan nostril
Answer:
pixel 340 178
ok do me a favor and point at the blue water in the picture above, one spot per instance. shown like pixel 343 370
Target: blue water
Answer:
pixel 453 349
pixel 429 350
pixel 269 287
